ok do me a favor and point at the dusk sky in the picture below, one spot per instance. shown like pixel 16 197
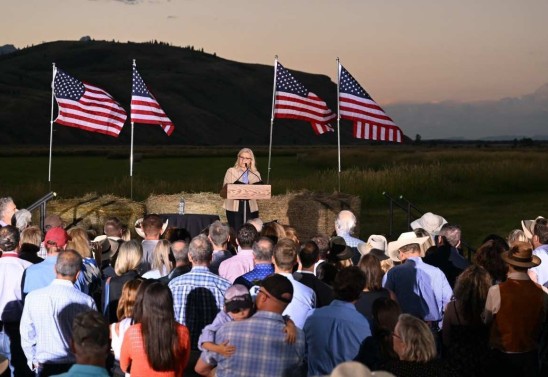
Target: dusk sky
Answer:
pixel 399 50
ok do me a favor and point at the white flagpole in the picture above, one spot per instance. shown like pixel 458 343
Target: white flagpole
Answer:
pixel 51 122
pixel 272 117
pixel 131 147
pixel 339 120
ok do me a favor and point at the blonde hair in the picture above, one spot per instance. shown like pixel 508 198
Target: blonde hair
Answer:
pixel 160 259
pixel 418 339
pixel 127 299
pixel 386 265
pixel 253 166
pixel 31 235
pixel 79 242
pixel 129 257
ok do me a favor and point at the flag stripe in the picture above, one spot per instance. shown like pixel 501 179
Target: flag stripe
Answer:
pixel 102 115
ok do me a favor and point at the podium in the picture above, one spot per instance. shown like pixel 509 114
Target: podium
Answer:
pixel 247 192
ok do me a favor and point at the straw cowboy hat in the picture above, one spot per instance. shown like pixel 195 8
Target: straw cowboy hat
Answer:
pixel 528 227
pixel 139 230
pixel 405 239
pixel 430 222
pixel 376 245
pixel 521 255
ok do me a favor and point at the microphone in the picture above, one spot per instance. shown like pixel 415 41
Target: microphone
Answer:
pixel 260 180
pixel 245 171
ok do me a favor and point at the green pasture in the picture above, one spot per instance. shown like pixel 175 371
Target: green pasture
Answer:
pixel 485 190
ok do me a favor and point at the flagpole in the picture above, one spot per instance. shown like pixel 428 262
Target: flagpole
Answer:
pixel 54 70
pixel 339 120
pixel 131 151
pixel 272 118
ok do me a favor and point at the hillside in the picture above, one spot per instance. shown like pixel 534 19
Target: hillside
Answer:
pixel 211 101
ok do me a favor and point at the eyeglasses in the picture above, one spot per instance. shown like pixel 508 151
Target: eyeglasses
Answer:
pixel 245 158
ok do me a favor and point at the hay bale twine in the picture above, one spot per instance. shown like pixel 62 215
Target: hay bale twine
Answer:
pixel 91 210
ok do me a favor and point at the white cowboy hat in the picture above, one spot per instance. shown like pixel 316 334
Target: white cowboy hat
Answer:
pixel 405 239
pixel 430 222
pixel 140 230
pixel 375 241
pixel 528 227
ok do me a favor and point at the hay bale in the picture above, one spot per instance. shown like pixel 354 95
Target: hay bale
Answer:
pixel 203 203
pixel 309 212
pixel 91 210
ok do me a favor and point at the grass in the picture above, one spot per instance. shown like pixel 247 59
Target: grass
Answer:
pixel 485 190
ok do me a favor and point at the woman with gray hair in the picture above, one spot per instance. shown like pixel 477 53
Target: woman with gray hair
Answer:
pixel 23 219
pixel 416 348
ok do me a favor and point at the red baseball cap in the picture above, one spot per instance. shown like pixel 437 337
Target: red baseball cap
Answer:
pixel 57 236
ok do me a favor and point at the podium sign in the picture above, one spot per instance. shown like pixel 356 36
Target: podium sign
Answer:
pixel 241 192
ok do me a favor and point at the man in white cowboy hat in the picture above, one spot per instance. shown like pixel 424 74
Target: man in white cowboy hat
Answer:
pixel 516 310
pixel 430 222
pixel 539 240
pixel 422 290
pixel 376 245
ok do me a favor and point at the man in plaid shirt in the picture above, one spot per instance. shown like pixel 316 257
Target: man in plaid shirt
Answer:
pixel 260 341
pixel 198 295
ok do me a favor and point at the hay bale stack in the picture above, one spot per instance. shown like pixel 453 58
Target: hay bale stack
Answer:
pixel 90 211
pixel 309 212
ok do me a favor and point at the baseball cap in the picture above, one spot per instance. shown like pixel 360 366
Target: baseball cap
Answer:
pixel 57 236
pixel 237 297
pixel 279 287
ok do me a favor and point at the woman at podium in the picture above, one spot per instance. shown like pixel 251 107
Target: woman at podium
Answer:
pixel 244 171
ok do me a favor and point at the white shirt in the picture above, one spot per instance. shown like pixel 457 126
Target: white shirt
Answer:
pixel 11 272
pixel 302 304
pixel 46 323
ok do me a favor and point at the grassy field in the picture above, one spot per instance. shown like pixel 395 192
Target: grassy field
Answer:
pixel 485 190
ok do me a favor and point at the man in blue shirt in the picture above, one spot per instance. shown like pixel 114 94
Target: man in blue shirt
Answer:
pixel 262 253
pixel 422 290
pixel 334 333
pixel 46 322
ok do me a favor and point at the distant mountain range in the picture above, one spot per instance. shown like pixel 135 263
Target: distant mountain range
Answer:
pixel 505 119
pixel 214 101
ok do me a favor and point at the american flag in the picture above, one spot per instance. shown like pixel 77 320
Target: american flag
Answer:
pixel 370 120
pixel 294 101
pixel 145 108
pixel 87 107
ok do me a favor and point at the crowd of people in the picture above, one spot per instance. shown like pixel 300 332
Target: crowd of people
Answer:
pixel 260 301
